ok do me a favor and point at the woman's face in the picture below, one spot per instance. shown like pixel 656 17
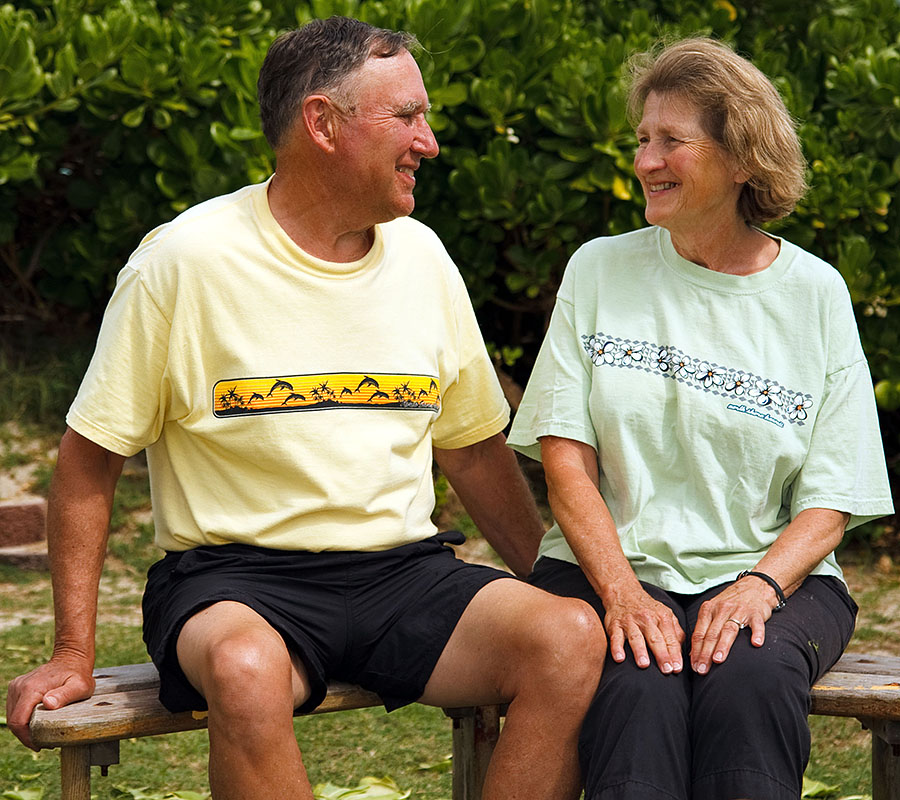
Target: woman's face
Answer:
pixel 690 183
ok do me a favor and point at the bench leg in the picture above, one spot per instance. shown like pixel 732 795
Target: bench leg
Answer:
pixel 885 770
pixel 75 772
pixel 475 733
pixel 885 758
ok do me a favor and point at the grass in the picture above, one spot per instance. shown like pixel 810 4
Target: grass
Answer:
pixel 340 748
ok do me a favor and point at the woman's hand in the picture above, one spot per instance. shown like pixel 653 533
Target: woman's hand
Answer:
pixel 643 621
pixel 747 602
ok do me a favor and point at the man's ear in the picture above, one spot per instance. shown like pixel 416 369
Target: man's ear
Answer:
pixel 319 119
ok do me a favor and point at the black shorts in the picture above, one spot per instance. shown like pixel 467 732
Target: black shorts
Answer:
pixel 376 619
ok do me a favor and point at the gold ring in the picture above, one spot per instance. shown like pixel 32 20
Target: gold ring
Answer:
pixel 741 625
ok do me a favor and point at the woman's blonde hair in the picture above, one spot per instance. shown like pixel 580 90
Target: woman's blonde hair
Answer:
pixel 739 108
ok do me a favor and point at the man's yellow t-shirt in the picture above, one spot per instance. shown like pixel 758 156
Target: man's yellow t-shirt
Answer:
pixel 286 401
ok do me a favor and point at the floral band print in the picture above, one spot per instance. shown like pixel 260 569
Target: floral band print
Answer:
pixel 669 362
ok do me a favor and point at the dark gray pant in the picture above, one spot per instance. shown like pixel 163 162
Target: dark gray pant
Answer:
pixel 740 731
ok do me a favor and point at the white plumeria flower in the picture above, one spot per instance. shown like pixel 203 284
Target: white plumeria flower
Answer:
pixel 798 407
pixel 708 375
pixel 737 383
pixel 602 351
pixel 662 360
pixel 681 365
pixel 626 353
pixel 766 393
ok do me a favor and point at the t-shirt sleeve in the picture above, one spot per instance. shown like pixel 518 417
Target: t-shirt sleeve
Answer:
pixel 845 468
pixel 555 402
pixel 121 402
pixel 473 406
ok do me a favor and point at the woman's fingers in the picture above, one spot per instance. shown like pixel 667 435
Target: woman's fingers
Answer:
pixel 651 630
pixel 719 623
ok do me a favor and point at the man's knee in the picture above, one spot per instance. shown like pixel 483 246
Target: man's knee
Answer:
pixel 236 660
pixel 566 647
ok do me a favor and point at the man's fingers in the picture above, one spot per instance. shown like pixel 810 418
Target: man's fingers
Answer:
pixel 73 689
pixel 48 685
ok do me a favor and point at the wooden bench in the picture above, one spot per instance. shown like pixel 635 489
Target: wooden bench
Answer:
pixel 125 706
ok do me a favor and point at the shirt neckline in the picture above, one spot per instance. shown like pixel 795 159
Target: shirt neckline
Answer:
pixel 723 281
pixel 291 252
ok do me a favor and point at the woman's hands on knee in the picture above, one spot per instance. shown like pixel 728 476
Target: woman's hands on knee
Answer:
pixel 645 623
pixel 723 617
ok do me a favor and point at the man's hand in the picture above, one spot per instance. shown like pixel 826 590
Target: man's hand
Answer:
pixel 62 680
pixel 487 478
pixel 78 512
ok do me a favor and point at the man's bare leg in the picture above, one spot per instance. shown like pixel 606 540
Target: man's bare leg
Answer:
pixel 241 665
pixel 542 654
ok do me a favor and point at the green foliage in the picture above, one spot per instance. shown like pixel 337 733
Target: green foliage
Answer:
pixel 384 788
pixel 117 114
pixel 114 116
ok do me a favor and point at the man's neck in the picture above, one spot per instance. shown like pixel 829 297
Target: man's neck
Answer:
pixel 314 226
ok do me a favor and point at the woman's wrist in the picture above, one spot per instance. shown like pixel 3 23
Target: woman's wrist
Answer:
pixel 776 587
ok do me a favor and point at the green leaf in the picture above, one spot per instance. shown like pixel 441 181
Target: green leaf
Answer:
pixel 813 788
pixel 466 54
pixel 23 794
pixel 381 788
pixel 451 95
pixel 245 134
pixel 134 117
pixel 162 119
pixel 446 763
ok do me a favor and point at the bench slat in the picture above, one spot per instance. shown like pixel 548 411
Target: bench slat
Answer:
pixel 125 702
pixel 122 714
pixel 861 662
pixel 125 678
pixel 854 694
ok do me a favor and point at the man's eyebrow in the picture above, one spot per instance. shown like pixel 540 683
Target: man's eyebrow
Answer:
pixel 413 107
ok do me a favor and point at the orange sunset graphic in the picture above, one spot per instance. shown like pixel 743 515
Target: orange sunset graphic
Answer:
pixel 335 390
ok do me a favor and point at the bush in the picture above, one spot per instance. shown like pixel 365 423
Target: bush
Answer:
pixel 114 116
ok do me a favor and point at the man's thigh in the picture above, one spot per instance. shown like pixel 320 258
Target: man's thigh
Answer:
pixel 505 630
pixel 264 585
pixel 380 619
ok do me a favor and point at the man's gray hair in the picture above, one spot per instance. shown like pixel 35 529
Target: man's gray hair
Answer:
pixel 317 58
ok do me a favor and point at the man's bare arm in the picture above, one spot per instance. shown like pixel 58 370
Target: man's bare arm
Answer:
pixel 487 478
pixel 78 513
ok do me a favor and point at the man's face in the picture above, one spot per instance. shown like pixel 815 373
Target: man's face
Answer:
pixel 381 144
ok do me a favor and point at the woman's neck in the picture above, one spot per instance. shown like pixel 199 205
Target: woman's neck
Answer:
pixel 738 250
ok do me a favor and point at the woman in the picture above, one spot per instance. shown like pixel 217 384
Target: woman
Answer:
pixel 705 417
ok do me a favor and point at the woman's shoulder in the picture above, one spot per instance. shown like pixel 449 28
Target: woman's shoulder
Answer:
pixel 635 240
pixel 811 270
pixel 613 254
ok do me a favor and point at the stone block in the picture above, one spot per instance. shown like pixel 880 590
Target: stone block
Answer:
pixel 22 521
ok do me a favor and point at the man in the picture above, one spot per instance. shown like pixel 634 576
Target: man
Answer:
pixel 291 355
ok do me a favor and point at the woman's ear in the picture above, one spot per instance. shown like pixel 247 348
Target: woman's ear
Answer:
pixel 741 175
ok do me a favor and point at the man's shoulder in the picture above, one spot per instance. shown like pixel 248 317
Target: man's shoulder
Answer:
pixel 207 225
pixel 407 231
